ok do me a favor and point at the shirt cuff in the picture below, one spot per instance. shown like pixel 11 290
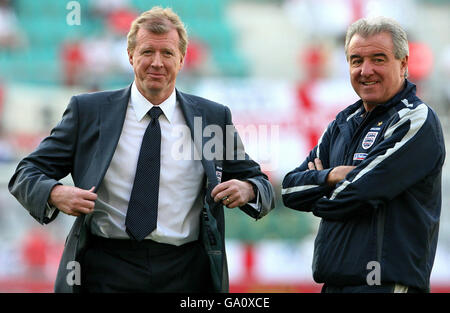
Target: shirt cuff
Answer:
pixel 255 204
pixel 49 210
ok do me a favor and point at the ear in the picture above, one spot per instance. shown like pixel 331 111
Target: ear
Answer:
pixel 404 65
pixel 130 57
pixel 181 61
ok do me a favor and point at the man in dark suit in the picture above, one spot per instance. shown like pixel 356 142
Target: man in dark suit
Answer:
pixel 147 220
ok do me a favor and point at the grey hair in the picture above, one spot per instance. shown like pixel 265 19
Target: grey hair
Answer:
pixel 367 27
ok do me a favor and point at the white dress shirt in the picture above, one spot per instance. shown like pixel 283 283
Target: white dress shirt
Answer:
pixel 181 181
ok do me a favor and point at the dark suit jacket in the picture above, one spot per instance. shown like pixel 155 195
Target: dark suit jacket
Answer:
pixel 83 144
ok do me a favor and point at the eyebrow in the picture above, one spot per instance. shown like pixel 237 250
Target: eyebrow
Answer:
pixel 380 55
pixel 354 56
pixel 143 48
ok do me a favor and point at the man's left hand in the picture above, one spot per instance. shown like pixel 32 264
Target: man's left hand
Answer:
pixel 233 193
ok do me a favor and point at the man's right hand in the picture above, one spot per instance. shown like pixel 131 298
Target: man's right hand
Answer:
pixel 73 200
pixel 337 174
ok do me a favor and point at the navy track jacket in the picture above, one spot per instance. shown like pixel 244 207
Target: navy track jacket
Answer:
pixel 387 209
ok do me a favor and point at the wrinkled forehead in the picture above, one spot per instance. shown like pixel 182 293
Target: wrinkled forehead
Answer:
pixel 377 43
pixel 146 34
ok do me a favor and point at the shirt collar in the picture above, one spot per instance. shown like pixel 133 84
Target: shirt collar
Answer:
pixel 141 105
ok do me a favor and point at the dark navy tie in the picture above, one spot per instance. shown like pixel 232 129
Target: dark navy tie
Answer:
pixel 143 206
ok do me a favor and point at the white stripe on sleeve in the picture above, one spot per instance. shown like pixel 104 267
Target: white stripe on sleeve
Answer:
pixel 286 191
pixel 417 117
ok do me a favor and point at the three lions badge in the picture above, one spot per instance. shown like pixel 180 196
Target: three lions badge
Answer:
pixel 369 139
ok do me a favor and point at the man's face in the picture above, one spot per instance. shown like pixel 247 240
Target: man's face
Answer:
pixel 376 75
pixel 156 61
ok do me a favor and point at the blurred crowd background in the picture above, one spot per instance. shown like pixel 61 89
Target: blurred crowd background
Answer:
pixel 278 64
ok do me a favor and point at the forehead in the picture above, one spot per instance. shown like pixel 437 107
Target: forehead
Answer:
pixel 378 43
pixel 145 37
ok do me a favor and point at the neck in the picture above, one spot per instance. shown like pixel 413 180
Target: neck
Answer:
pixel 155 97
pixel 369 106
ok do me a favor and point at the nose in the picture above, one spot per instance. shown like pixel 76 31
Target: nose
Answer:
pixel 157 61
pixel 366 68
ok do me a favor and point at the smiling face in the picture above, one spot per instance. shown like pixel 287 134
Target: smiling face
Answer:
pixel 376 75
pixel 156 61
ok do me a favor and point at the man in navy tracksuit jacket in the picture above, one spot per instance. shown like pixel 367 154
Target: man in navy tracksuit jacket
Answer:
pixel 374 177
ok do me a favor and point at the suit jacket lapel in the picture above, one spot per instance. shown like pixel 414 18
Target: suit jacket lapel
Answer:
pixel 112 117
pixel 194 115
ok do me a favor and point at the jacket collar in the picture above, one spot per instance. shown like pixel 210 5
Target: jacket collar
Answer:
pixel 141 105
pixel 408 90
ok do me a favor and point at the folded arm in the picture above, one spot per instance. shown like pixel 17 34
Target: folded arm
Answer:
pixel 411 150
pixel 303 186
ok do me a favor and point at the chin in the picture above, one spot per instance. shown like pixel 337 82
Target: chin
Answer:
pixel 153 87
pixel 370 98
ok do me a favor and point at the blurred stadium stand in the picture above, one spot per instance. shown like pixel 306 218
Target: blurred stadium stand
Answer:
pixel 44 23
pixel 276 63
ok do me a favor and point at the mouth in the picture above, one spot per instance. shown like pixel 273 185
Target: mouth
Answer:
pixel 155 75
pixel 368 83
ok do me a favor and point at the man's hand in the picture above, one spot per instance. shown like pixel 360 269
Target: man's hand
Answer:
pixel 233 193
pixel 72 200
pixel 317 165
pixel 336 174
